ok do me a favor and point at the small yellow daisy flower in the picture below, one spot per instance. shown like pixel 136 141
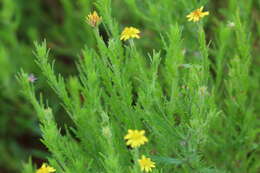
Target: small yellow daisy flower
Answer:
pixel 135 138
pixel 93 19
pixel 196 15
pixel 45 169
pixel 146 164
pixel 130 32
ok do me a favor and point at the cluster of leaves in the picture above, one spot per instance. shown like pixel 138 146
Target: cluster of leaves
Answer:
pixel 192 87
pixel 22 23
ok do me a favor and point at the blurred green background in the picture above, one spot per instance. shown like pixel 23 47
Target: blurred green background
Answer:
pixel 62 23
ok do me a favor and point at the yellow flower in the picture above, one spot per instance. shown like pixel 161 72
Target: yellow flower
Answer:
pixel 196 15
pixel 135 138
pixel 130 32
pixel 146 164
pixel 45 169
pixel 93 19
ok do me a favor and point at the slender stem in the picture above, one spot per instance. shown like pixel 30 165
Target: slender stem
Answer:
pixel 132 44
pixel 136 157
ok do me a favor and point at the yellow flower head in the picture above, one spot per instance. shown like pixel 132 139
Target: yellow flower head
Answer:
pixel 130 32
pixel 146 164
pixel 135 138
pixel 196 15
pixel 93 19
pixel 45 169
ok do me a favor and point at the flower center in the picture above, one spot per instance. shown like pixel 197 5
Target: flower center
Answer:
pixel 197 13
pixel 137 137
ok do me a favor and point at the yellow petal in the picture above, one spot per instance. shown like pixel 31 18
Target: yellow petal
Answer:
pixel 205 13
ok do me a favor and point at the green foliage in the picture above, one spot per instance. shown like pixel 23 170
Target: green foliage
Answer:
pixel 193 87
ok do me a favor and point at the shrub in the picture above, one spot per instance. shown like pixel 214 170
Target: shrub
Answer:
pixel 190 95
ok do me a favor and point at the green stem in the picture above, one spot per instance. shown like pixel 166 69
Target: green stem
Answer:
pixel 136 157
pixel 132 44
